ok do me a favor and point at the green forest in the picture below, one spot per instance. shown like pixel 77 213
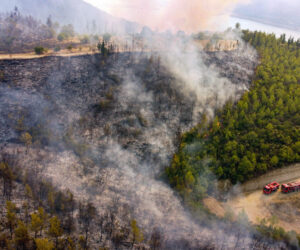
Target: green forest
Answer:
pixel 258 133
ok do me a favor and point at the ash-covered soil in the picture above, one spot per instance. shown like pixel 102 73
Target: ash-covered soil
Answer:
pixel 131 99
pixel 105 128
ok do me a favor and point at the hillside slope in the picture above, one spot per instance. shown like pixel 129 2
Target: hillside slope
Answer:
pixel 104 128
pixel 84 17
pixel 246 139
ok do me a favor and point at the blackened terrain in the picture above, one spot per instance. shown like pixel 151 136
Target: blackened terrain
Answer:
pixel 104 128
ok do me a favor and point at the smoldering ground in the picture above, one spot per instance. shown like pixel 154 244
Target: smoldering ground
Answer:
pixel 126 112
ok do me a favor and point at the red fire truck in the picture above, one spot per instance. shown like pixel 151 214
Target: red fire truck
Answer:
pixel 290 187
pixel 270 188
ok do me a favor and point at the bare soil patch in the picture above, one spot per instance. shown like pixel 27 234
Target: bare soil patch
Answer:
pixel 63 53
pixel 285 207
pixel 250 198
pixel 214 206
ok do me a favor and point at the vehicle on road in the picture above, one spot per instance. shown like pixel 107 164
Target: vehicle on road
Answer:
pixel 290 187
pixel 271 187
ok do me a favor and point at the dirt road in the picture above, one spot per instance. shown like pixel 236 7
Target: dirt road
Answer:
pixel 281 175
pixel 286 207
pixel 33 55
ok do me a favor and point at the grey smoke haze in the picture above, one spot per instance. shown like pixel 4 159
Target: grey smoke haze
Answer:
pixel 128 156
pixel 195 78
pixel 174 15
pixel 284 13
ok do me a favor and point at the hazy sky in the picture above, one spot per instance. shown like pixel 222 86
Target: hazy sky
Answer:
pixel 187 15
pixel 108 5
pixel 124 9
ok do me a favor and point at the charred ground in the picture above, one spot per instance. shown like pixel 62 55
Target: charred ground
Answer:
pixel 104 128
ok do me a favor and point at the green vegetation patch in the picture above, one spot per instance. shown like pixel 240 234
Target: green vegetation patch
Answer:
pixel 39 50
pixel 246 139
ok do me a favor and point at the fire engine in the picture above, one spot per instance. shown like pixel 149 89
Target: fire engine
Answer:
pixel 290 187
pixel 270 188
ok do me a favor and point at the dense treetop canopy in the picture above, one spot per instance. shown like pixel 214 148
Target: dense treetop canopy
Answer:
pixel 246 139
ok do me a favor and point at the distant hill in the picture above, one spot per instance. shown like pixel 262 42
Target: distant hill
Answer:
pixel 84 17
pixel 281 13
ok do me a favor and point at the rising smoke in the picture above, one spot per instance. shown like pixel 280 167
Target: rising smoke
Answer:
pixel 189 16
pixel 130 141
pixel 133 139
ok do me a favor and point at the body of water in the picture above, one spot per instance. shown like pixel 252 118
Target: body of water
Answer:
pixel 252 25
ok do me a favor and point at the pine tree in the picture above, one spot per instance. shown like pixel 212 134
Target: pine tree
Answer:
pixel 8 178
pixel 44 244
pixel 22 237
pixel 137 234
pixel 55 230
pixel 38 221
pixel 11 217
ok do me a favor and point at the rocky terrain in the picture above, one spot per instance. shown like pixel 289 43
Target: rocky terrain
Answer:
pixel 105 127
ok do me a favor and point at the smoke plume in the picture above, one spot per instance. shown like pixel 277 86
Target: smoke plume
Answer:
pixel 189 16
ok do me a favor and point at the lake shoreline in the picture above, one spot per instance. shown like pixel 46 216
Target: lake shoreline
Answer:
pixel 262 21
pixel 260 26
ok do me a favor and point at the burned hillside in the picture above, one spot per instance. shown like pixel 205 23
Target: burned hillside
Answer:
pixel 105 128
